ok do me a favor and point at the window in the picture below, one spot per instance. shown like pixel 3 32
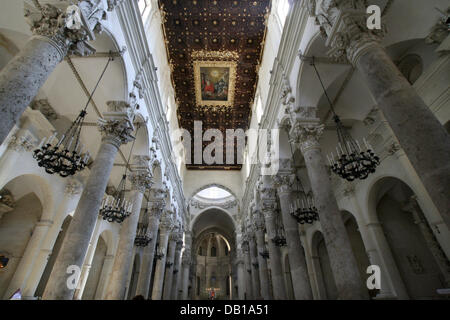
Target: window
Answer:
pixel 200 251
pixel 226 250
pixel 3 262
pixel 214 193
pixel 144 6
pixel 282 11
pixel 213 252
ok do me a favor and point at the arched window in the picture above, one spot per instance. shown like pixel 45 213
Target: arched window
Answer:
pixel 226 250
pixel 213 251
pixel 200 251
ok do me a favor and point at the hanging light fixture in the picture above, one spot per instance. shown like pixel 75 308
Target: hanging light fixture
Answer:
pixel 64 155
pixel 303 208
pixel 143 238
pixel 353 161
pixel 116 208
pixel 280 239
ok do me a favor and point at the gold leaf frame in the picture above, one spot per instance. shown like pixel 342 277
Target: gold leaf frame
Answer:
pixel 232 65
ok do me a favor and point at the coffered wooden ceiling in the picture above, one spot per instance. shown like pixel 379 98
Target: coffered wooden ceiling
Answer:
pixel 215 49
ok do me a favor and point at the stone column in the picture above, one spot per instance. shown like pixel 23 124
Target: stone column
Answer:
pixel 261 248
pixel 269 211
pixel 297 260
pixel 240 275
pixel 343 263
pixel 165 228
pixel 345 25
pixel 248 268
pixel 256 282
pixel 176 271
pixel 170 263
pixel 145 273
pixel 116 129
pixel 54 36
pixel 141 180
pixel 439 256
pixel 186 263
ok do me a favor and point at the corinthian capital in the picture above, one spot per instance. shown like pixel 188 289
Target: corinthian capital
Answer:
pixel 166 224
pixel 67 26
pixel 156 208
pixel 140 180
pixel 344 24
pixel 258 221
pixel 307 135
pixel 284 182
pixel 117 124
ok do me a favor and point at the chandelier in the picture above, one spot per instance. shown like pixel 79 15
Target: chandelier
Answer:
pixel 279 240
pixel 64 155
pixel 352 161
pixel 302 208
pixel 264 254
pixel 116 208
pixel 142 236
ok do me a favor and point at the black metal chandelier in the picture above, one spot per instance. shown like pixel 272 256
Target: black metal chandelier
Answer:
pixel 280 239
pixel 143 238
pixel 116 208
pixel 303 208
pixel 353 161
pixel 64 155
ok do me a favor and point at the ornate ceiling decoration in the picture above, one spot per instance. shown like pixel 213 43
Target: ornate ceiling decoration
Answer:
pixel 214 49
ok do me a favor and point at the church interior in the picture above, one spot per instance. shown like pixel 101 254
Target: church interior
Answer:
pixel 226 150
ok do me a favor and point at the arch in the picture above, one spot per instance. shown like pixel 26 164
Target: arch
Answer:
pixel 95 271
pixel 217 185
pixel 324 274
pixel 409 238
pixel 220 217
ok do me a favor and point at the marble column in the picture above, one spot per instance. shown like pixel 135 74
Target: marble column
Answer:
pixel 140 178
pixel 116 129
pixel 165 228
pixel 247 269
pixel 270 212
pixel 186 263
pixel 259 227
pixel 170 264
pixel 176 271
pixel 256 282
pixel 297 260
pixel 148 255
pixel 433 245
pixel 240 275
pixel 306 134
pixel 53 38
pixel 422 137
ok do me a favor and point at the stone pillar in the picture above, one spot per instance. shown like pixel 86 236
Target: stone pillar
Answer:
pixel 53 37
pixel 141 180
pixel 261 248
pixel 428 148
pixel 256 282
pixel 145 273
pixel 165 228
pixel 269 211
pixel 176 271
pixel 240 275
pixel 103 281
pixel 186 263
pixel 343 263
pixel 72 191
pixel 439 256
pixel 247 268
pixel 170 264
pixel 26 262
pixel 297 260
pixel 116 129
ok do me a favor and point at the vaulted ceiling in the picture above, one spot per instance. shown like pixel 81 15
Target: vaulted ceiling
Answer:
pixel 214 49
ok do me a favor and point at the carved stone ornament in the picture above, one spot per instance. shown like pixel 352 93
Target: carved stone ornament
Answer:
pixel 68 27
pixel 166 224
pixel 22 142
pixel 45 108
pixel 344 24
pixel 307 135
pixel 117 125
pixel 284 182
pixel 73 188
pixel 141 180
